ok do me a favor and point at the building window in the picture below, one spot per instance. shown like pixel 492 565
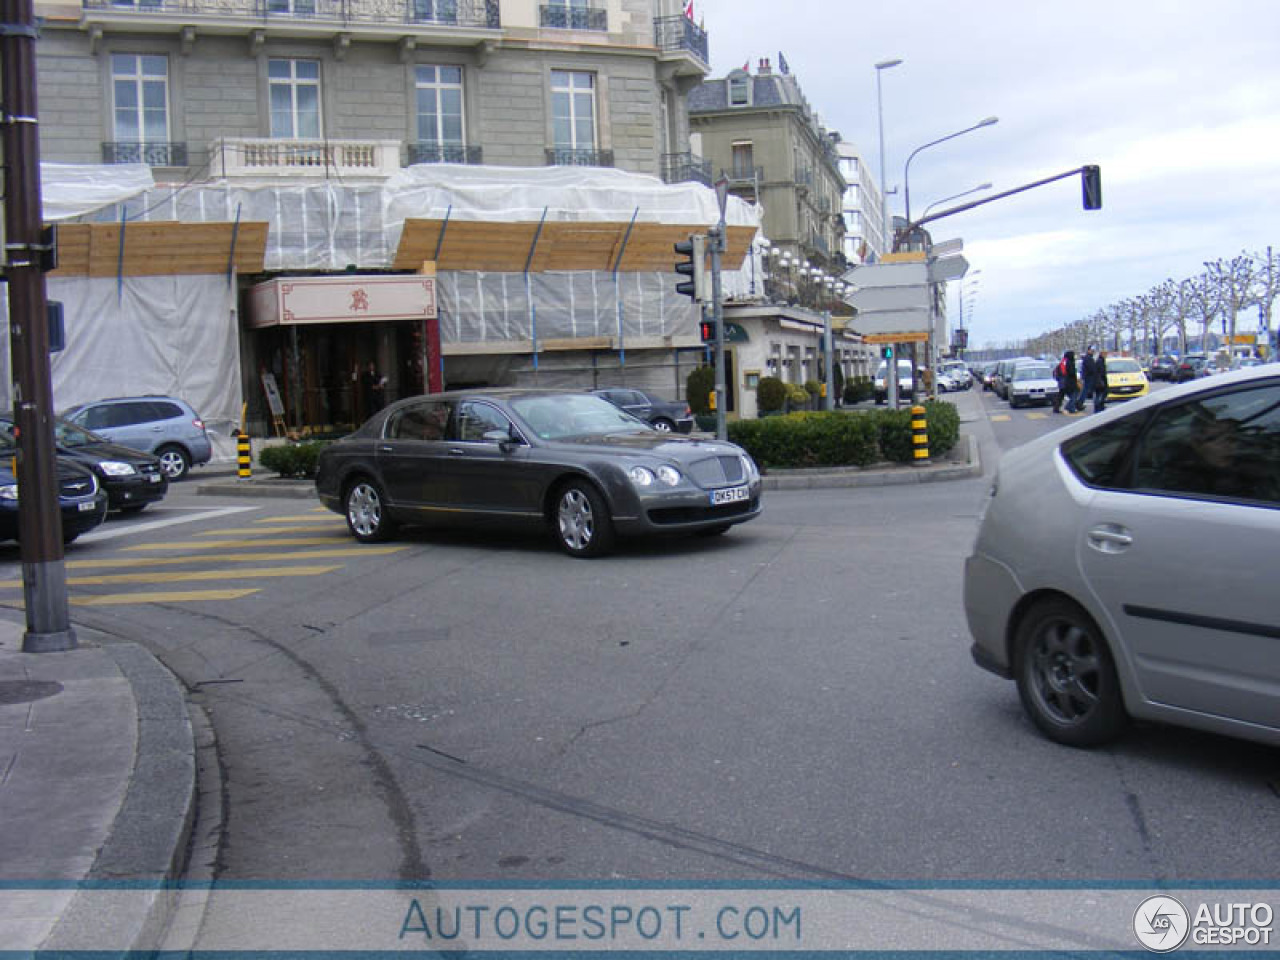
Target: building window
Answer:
pixel 140 89
pixel 434 11
pixel 439 91
pixel 572 15
pixel 744 167
pixel 739 89
pixel 573 110
pixel 297 8
pixel 295 98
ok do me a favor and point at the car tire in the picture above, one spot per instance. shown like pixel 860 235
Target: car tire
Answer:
pixel 1066 677
pixel 581 521
pixel 174 462
pixel 364 506
pixel 133 508
pixel 663 425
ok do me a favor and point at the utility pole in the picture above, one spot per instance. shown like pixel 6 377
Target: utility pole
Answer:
pixel 28 252
pixel 717 244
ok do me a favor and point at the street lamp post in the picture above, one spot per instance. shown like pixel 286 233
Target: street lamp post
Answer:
pixel 955 196
pixel 906 170
pixel 886 228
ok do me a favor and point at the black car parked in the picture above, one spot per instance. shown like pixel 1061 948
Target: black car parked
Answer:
pixel 1163 368
pixel 81 499
pixel 664 415
pixel 131 478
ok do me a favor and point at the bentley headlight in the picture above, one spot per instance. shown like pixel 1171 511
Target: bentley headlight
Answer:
pixel 749 467
pixel 641 476
pixel 669 475
pixel 9 491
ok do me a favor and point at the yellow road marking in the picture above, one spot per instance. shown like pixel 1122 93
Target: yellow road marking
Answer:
pixel 1036 416
pixel 328 517
pixel 160 596
pixel 1001 417
pixel 255 542
pixel 251 557
pixel 338 528
pixel 180 576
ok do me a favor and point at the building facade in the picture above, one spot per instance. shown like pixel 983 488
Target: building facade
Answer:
pixel 762 134
pixel 865 240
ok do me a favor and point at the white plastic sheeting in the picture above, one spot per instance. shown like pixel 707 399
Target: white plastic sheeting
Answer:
pixel 70 190
pixel 164 335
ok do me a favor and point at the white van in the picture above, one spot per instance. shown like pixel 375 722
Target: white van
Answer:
pixel 906 382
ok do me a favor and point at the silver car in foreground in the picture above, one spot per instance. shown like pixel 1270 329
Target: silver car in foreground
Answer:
pixel 1125 566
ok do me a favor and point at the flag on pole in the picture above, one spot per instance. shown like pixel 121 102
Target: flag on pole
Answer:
pixel 747 65
pixel 688 9
pixel 782 63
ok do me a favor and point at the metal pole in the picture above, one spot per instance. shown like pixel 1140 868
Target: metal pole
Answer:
pixel 44 573
pixel 828 372
pixel 717 243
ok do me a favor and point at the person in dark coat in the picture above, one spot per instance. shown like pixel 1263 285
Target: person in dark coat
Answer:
pixel 1068 383
pixel 1100 382
pixel 1088 376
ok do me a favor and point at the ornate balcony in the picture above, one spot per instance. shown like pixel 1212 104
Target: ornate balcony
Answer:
pixel 685 167
pixel 426 151
pixel 245 157
pixel 680 35
pixel 152 154
pixel 569 157
pixel 561 17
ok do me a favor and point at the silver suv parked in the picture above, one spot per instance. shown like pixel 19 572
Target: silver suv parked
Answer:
pixel 165 426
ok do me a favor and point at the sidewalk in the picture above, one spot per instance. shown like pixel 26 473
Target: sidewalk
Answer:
pixel 97 783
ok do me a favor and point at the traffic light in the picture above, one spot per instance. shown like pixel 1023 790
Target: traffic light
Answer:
pixel 57 326
pixel 694 267
pixel 887 351
pixel 1091 183
pixel 707 330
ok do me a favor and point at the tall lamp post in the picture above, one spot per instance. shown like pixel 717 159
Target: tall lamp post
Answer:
pixel 955 196
pixel 886 228
pixel 906 170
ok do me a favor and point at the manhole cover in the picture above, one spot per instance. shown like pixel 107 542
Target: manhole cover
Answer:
pixel 25 691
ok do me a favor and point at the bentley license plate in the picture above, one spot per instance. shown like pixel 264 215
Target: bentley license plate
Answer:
pixel 730 495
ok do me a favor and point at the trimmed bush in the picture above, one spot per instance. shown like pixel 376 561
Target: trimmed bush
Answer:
pixel 771 395
pixel 698 387
pixel 292 459
pixel 797 397
pixel 858 389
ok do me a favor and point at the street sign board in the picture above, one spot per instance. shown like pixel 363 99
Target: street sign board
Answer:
pixel 912 336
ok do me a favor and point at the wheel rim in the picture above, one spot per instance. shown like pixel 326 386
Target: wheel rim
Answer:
pixel 173 464
pixel 1065 672
pixel 662 426
pixel 577 523
pixel 364 510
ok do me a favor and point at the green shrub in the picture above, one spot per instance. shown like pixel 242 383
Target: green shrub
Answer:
pixel 771 395
pixel 292 459
pixel 812 387
pixel 797 397
pixel 944 426
pixel 813 439
pixel 858 389
pixel 943 422
pixel 698 387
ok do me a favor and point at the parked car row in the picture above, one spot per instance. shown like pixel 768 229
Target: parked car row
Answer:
pixel 1028 381
pixel 117 454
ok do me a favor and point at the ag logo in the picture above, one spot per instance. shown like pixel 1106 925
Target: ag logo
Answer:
pixel 1161 924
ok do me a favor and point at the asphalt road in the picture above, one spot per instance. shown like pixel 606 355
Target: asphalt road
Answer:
pixel 793 700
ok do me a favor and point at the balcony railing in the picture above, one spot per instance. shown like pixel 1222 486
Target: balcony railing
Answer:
pixel 152 154
pixel 461 13
pixel 561 17
pixel 243 157
pixel 677 34
pixel 744 174
pixel 425 151
pixel 685 167
pixel 570 157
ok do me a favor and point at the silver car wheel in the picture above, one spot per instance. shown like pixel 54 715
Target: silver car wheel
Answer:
pixel 173 462
pixel 662 426
pixel 583 525
pixel 365 516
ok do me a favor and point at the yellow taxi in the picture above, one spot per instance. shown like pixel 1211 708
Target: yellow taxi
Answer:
pixel 1125 379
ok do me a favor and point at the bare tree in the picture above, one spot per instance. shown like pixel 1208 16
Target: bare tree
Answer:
pixel 1234 280
pixel 1266 287
pixel 1202 297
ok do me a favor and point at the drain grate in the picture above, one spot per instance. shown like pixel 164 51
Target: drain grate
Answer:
pixel 25 691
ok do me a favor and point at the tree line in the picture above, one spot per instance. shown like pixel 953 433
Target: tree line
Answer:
pixel 1222 294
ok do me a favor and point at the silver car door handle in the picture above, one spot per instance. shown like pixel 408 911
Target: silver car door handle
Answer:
pixel 456 452
pixel 1109 539
pixel 386 448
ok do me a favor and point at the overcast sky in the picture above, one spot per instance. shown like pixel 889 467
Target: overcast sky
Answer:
pixel 1178 102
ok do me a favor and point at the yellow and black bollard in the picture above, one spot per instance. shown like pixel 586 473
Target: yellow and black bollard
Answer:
pixel 919 437
pixel 244 455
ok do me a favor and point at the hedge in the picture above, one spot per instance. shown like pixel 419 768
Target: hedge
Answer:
pixel 293 459
pixel 843 438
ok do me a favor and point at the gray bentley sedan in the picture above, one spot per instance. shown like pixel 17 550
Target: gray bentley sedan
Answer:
pixel 573 462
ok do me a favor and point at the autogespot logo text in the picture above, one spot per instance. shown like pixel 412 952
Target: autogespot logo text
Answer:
pixel 1161 924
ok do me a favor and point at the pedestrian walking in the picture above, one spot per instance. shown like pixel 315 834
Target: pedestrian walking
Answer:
pixel 1100 382
pixel 1068 383
pixel 1088 373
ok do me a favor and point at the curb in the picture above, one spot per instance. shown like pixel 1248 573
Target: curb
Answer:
pixel 820 478
pixel 148 839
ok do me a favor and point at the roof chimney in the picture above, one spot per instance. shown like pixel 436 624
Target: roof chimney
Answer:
pixel 765 69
